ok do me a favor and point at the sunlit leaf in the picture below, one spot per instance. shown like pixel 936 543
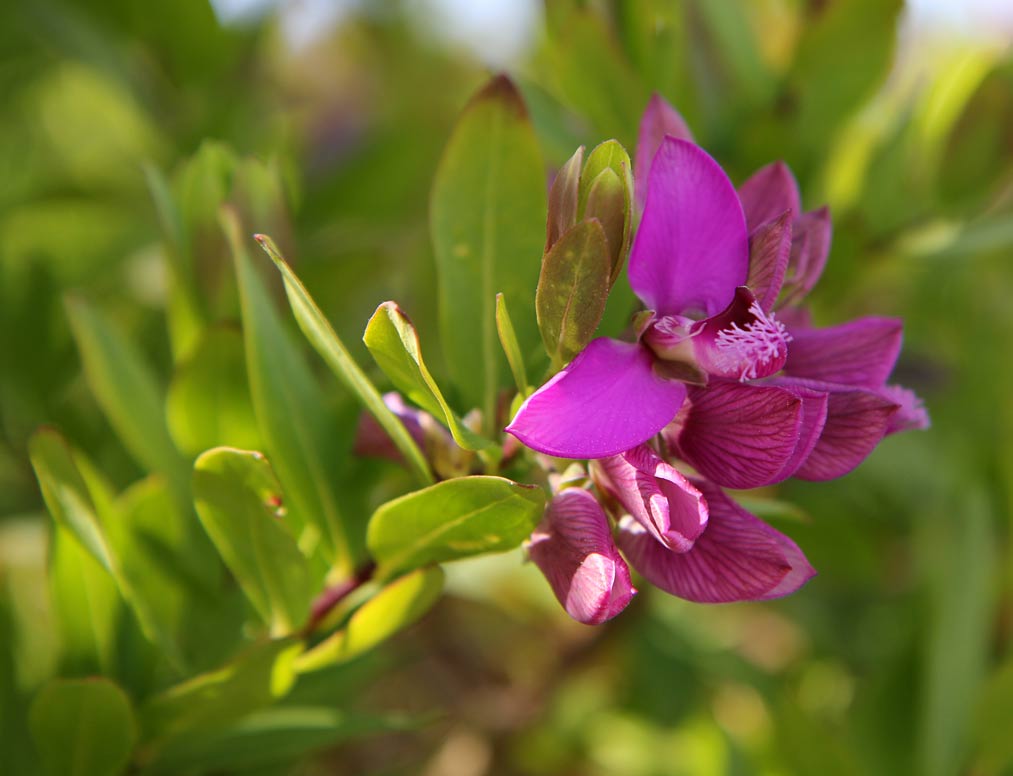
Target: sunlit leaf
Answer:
pixel 209 400
pixel 394 344
pixel 392 609
pixel 240 502
pixel 453 519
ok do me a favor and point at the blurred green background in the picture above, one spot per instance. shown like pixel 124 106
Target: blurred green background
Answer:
pixel 322 124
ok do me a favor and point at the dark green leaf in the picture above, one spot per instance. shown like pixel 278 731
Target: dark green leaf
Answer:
pixel 295 421
pixel 487 218
pixel 83 727
pixel 322 336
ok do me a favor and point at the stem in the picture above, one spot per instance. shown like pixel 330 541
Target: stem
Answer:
pixel 335 594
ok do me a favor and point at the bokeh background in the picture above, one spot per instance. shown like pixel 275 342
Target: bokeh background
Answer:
pixel 322 123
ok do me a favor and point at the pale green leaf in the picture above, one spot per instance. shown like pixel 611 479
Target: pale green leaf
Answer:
pixel 394 344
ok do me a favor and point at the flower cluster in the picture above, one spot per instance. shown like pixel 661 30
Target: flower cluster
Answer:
pixel 727 371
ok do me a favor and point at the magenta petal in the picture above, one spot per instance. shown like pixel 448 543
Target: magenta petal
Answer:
pixel 574 549
pixel 659 119
pixel 372 441
pixel 911 415
pixel 861 353
pixel 692 248
pixel 814 417
pixel 743 342
pixel 769 251
pixel 738 557
pixel 655 493
pixel 740 436
pixel 809 251
pixel 607 400
pixel 769 192
pixel 856 422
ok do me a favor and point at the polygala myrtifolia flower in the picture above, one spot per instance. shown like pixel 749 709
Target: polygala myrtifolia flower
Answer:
pixel 728 369
pixel 746 396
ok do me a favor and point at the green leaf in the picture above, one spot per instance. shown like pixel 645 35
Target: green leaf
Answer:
pixel 83 726
pixel 66 494
pixel 218 698
pixel 128 393
pixel 86 604
pixel 393 609
pixel 511 348
pixel 276 735
pixel 239 501
pixel 209 400
pixel 394 345
pixel 294 420
pixel 453 519
pixel 487 217
pixel 322 336
pixel 172 577
pixel 572 290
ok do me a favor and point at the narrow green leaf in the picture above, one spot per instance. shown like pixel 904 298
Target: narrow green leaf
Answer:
pixel 394 345
pixel 487 215
pixel 209 402
pixel 572 290
pixel 393 609
pixel 66 493
pixel 322 336
pixel 216 699
pixel 295 421
pixel 239 501
pixel 274 736
pixel 83 727
pixel 128 393
pixel 511 348
pixel 453 519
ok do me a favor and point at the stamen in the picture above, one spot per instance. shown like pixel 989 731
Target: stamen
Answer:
pixel 741 350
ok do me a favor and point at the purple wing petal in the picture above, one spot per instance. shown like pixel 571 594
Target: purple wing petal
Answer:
pixel 609 399
pixel 809 251
pixel 660 119
pixel 912 414
pixel 814 417
pixel 738 557
pixel 769 251
pixel 856 422
pixel 769 192
pixel 740 436
pixel 656 494
pixel 574 549
pixel 692 248
pixel 861 353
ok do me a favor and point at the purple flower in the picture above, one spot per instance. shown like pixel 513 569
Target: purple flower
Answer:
pixel 689 539
pixel 746 396
pixel 574 549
